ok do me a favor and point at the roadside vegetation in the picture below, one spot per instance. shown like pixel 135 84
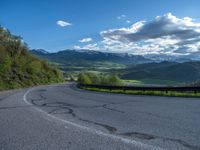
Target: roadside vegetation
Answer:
pixel 99 78
pixel 153 93
pixel 19 68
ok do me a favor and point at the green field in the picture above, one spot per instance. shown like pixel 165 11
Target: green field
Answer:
pixel 151 82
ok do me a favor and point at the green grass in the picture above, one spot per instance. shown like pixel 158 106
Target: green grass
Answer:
pixel 151 82
pixel 158 81
pixel 154 93
pixel 132 81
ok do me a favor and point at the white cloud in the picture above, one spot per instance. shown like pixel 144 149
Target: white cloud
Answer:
pixel 63 23
pixel 85 40
pixel 88 47
pixel 77 47
pixel 121 17
pixel 128 21
pixel 164 35
pixel 124 18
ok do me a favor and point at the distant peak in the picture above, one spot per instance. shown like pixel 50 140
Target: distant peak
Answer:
pixel 41 51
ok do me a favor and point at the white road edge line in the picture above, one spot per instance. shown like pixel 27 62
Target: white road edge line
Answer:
pixel 98 132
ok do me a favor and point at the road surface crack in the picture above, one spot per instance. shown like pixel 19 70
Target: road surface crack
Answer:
pixel 145 136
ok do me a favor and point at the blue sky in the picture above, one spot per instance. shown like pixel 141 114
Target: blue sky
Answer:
pixel 37 22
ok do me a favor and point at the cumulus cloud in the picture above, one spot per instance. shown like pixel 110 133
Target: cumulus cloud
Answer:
pixel 165 34
pixel 63 23
pixel 85 40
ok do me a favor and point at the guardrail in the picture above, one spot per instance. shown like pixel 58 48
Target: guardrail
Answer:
pixel 145 88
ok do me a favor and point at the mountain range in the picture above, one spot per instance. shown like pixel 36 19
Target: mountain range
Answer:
pixel 71 56
pixel 89 56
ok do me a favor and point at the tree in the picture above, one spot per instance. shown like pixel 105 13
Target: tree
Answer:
pixel 98 78
pixel 84 79
pixel 113 79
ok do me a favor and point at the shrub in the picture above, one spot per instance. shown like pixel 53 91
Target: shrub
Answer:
pixel 98 78
pixel 84 79
pixel 112 79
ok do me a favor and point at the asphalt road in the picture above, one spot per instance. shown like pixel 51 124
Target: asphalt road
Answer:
pixel 62 117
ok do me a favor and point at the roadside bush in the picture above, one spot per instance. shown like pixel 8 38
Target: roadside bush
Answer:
pixel 111 79
pixel 98 78
pixel 84 79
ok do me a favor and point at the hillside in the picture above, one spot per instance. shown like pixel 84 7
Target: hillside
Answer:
pixel 19 68
pixel 167 71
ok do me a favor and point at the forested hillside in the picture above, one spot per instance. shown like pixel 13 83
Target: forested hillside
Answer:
pixel 19 68
pixel 170 71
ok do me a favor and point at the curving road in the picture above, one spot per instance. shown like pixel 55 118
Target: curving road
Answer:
pixel 62 117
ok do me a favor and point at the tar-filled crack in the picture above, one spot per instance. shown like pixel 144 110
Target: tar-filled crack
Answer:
pixel 145 136
pixel 12 107
pixel 112 109
pixel 139 135
pixel 67 108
